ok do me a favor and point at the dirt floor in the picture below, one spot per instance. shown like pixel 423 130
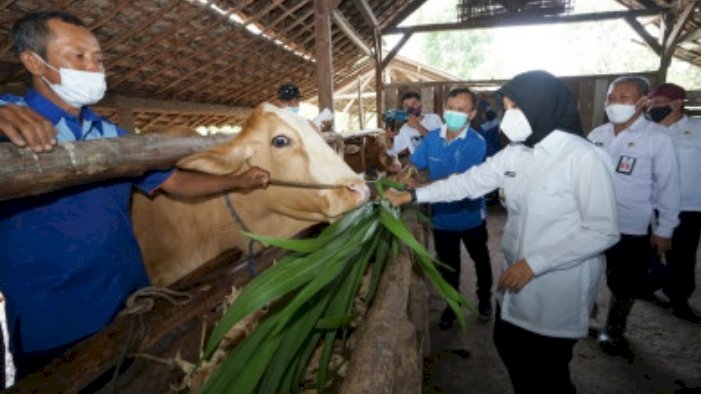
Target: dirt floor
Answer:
pixel 667 349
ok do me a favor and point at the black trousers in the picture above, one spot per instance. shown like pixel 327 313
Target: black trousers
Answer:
pixel 626 265
pixel 681 259
pixel 447 245
pixel 518 347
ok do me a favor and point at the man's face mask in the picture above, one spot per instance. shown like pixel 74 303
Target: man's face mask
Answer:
pixel 620 113
pixel 414 111
pixel 455 120
pixel 657 114
pixel 77 88
pixel 295 110
pixel 515 125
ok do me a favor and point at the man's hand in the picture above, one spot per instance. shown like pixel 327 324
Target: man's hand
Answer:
pixel 24 127
pixel 254 178
pixel 660 243
pixel 413 121
pixel 397 198
pixel 516 276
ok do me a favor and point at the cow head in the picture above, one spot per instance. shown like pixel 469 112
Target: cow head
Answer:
pixel 286 145
pixel 368 153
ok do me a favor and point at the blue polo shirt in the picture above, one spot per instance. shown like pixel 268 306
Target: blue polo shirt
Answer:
pixel 443 158
pixel 69 258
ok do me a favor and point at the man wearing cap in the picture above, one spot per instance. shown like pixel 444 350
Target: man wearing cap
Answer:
pixel 666 107
pixel 288 96
pixel 646 179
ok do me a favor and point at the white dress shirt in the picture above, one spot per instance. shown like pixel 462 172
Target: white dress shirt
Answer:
pixel 409 138
pixel 646 176
pixel 686 136
pixel 561 216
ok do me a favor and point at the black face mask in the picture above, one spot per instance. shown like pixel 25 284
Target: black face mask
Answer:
pixel 657 114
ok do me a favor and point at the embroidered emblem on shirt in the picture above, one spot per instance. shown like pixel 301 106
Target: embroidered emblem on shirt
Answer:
pixel 626 165
pixel 687 132
pixel 598 143
pixel 510 174
pixel 631 144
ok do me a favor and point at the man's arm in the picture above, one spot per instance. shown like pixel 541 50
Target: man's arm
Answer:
pixel 415 123
pixel 24 127
pixel 667 185
pixel 195 184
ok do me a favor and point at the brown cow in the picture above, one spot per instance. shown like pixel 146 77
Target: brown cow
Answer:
pixel 367 153
pixel 176 236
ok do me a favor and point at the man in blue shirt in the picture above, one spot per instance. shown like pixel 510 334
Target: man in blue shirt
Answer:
pixel 452 149
pixel 69 258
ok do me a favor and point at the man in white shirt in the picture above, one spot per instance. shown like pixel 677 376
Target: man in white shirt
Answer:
pixel 561 216
pixel 416 126
pixel 666 107
pixel 646 179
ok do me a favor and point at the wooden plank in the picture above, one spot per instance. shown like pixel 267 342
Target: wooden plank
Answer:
pixel 389 56
pixel 25 173
pixel 324 57
pixel 170 106
pixel 645 35
pixel 86 362
pixel 521 21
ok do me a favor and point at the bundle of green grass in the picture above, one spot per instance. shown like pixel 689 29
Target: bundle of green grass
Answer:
pixel 309 298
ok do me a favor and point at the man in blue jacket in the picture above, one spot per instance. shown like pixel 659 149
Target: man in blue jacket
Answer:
pixel 69 258
pixel 453 149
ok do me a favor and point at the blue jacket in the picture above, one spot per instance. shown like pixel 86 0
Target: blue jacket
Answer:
pixel 443 158
pixel 69 258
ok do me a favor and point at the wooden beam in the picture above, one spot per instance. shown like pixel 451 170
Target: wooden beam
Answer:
pixel 693 35
pixel 645 35
pixel 25 173
pixel 324 57
pixel 670 37
pixel 521 21
pixel 366 12
pixel 126 118
pixel 350 32
pixel 388 58
pixel 404 13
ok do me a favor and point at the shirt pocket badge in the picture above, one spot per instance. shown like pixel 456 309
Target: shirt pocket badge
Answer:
pixel 625 165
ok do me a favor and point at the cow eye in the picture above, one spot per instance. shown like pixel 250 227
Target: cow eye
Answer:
pixel 280 141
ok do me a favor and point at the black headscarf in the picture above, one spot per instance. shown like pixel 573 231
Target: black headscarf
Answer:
pixel 546 102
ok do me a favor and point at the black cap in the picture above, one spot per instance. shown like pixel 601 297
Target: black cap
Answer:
pixel 288 92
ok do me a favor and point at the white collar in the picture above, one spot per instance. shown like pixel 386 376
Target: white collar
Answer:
pixel 462 135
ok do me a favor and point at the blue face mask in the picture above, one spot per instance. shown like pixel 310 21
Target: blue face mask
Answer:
pixel 294 110
pixel 454 120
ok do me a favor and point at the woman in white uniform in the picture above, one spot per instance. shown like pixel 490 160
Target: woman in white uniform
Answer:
pixel 561 216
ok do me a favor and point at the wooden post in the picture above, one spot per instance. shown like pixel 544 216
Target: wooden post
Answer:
pixel 378 75
pixel 324 59
pixel 361 115
pixel 126 119
pixel 25 173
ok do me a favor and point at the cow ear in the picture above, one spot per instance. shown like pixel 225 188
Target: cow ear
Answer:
pixel 221 160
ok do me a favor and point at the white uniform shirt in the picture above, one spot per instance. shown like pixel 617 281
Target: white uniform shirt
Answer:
pixel 646 176
pixel 561 216
pixel 409 138
pixel 686 136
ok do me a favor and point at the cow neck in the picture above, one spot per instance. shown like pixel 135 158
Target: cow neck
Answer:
pixel 250 264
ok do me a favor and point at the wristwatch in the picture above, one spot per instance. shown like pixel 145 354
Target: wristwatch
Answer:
pixel 412 192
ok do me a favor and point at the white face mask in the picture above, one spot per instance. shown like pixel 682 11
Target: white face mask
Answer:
pixel 78 88
pixel 294 110
pixel 515 125
pixel 620 113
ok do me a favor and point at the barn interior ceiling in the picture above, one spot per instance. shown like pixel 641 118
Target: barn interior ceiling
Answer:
pixel 207 62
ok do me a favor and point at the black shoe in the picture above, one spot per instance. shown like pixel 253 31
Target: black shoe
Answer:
pixel 447 319
pixel 615 346
pixel 485 313
pixel 445 324
pixel 685 313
